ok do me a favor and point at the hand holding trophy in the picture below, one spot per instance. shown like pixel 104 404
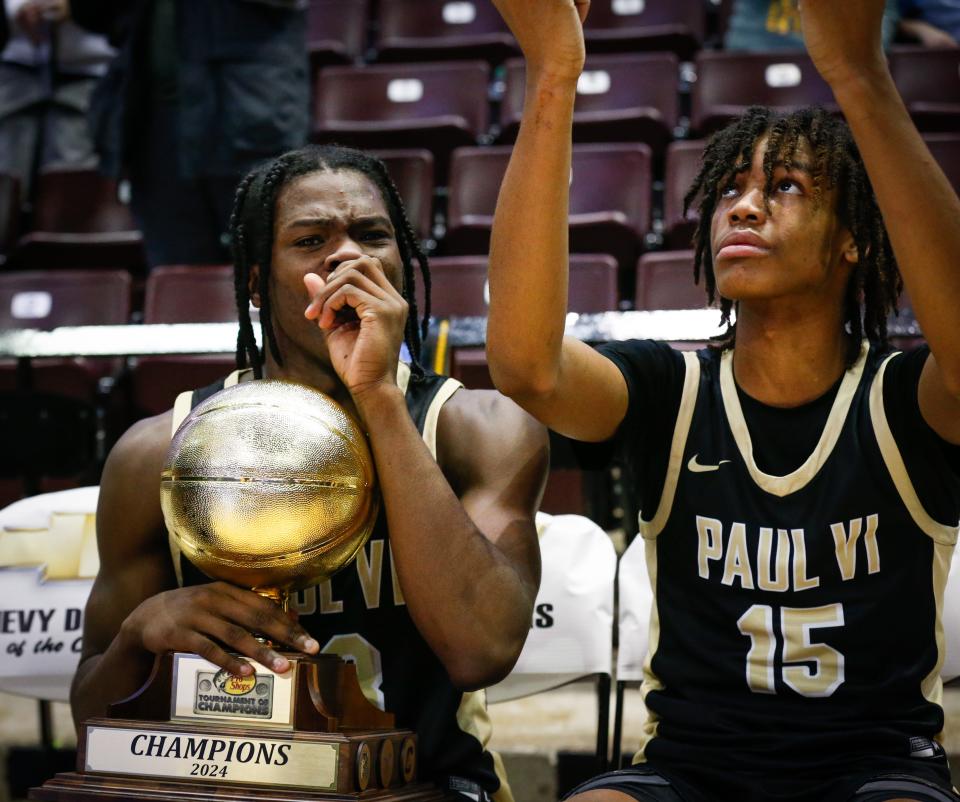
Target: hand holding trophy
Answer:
pixel 268 486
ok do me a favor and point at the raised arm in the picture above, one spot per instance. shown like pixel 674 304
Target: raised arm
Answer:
pixel 462 531
pixel 920 209
pixel 559 380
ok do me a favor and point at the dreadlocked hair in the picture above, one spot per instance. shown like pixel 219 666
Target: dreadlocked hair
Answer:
pixel 251 238
pixel 875 282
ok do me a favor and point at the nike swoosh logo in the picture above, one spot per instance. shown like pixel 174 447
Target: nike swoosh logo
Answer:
pixel 696 467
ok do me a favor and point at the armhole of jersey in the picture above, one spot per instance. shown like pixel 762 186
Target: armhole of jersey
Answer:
pixel 181 408
pixel 184 402
pixel 940 533
pixel 688 400
pixel 474 720
pixel 403 376
pixel 446 391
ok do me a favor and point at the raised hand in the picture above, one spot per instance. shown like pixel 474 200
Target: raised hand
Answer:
pixel 206 618
pixel 550 33
pixel 364 317
pixel 844 38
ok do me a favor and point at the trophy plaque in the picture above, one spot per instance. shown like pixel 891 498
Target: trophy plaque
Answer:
pixel 270 486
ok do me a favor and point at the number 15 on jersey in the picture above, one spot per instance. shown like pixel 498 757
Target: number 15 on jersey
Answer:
pixel 808 667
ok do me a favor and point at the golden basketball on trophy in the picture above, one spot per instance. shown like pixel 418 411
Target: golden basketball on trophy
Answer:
pixel 269 486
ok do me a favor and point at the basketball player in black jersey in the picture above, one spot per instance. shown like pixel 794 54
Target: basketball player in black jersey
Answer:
pixel 799 483
pixel 440 600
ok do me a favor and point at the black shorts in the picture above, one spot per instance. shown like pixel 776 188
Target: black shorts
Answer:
pixel 646 785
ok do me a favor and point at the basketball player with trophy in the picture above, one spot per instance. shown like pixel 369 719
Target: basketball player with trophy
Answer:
pixel 438 601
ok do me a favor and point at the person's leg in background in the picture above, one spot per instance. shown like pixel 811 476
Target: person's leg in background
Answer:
pixel 179 221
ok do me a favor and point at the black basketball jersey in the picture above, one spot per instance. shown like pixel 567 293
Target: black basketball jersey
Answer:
pixel 360 614
pixel 796 632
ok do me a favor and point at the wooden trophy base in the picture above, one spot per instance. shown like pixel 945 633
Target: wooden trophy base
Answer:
pixel 74 787
pixel 196 733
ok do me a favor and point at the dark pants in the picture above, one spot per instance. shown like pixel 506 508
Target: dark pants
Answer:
pixel 184 220
pixel 646 785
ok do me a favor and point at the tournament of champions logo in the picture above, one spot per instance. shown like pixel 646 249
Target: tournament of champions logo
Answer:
pixel 224 694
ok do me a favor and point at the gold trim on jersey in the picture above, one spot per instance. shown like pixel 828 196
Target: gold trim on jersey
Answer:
pixel 184 402
pixel 474 720
pixel 785 485
pixel 403 376
pixel 688 401
pixel 942 533
pixel 651 682
pixel 430 423
pixel 932 685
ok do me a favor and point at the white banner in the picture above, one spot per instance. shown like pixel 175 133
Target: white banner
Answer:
pixel 41 626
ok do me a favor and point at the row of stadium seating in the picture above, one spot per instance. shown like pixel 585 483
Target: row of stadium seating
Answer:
pixel 349 31
pixel 618 206
pixel 205 294
pixel 624 97
pixel 69 410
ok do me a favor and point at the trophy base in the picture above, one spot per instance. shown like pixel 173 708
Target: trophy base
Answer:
pixel 75 787
pixel 308 735
pixel 322 764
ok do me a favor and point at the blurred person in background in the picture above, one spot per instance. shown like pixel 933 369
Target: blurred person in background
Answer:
pixel 198 94
pixel 933 23
pixel 762 25
pixel 48 70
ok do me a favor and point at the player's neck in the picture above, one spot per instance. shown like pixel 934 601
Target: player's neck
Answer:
pixel 788 358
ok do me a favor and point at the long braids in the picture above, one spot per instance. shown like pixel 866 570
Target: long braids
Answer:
pixel 875 282
pixel 247 351
pixel 251 235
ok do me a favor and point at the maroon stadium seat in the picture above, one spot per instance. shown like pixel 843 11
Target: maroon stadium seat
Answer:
pixel 336 31
pixel 624 25
pixel 593 283
pixel 665 281
pixel 48 299
pixel 437 106
pixel 9 213
pixel 929 82
pixel 620 98
pixel 53 413
pixel 412 173
pixel 79 222
pixel 946 150
pixel 469 365
pixel 190 294
pixel 183 294
pixel 459 285
pixel 683 164
pixel 727 83
pixel 609 199
pixel 428 30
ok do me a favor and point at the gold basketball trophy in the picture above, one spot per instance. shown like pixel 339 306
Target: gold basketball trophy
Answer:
pixel 270 486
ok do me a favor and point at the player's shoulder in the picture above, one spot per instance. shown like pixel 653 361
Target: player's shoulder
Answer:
pixel 129 518
pixel 141 448
pixel 650 360
pixel 474 423
pixel 488 413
